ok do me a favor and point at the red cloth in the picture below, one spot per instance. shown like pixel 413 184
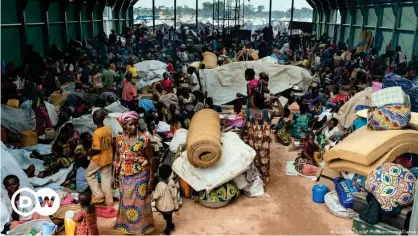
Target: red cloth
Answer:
pixel 42 120
pixel 340 97
pixel 404 161
pixel 166 84
pixel 170 68
pixel 106 211
pixel 310 170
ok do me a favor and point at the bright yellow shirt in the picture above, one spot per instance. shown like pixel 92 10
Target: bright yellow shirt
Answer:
pixel 132 69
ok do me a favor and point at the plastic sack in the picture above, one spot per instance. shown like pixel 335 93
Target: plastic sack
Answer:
pixel 256 189
pixel 359 182
pixel 389 117
pixel 179 138
pixel 347 175
pixel 69 223
pixel 241 182
pixel 146 104
pixel 345 192
pixel 335 207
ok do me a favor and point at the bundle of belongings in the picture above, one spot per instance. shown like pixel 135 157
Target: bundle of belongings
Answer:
pixel 381 199
pixel 213 162
pixel 372 172
pixel 149 72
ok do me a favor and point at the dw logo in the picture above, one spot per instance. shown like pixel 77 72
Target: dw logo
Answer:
pixel 48 202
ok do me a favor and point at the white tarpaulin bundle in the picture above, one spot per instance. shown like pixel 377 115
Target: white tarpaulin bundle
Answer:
pixel 149 72
pixel 236 159
pixel 224 82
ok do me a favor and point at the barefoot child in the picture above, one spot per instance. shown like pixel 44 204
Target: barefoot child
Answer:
pixel 86 217
pixel 101 153
pixel 165 195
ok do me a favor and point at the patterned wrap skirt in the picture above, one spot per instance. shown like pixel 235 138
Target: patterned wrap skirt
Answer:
pixel 135 211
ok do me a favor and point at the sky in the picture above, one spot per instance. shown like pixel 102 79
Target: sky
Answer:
pixel 282 5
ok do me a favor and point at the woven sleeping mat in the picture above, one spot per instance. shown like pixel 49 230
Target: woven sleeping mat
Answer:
pixel 204 147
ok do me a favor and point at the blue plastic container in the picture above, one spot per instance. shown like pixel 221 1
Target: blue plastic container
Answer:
pixel 318 193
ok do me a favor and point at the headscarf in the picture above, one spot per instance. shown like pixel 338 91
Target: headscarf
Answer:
pixel 127 116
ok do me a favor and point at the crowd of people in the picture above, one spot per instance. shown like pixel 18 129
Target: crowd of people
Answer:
pixel 104 72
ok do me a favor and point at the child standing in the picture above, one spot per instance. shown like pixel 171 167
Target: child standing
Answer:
pixel 128 92
pixel 165 195
pixel 101 153
pixel 86 218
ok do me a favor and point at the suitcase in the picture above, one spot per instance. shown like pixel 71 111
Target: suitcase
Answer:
pixel 401 221
pixel 362 228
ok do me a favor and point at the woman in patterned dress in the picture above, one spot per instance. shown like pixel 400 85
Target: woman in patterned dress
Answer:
pixel 135 165
pixel 257 128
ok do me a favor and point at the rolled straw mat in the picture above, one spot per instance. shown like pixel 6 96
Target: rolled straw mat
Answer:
pixel 204 147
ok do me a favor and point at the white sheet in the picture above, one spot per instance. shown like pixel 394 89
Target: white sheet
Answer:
pixel 223 83
pixel 43 149
pixel 116 107
pixel 24 160
pixel 17 120
pixel 58 178
pixel 10 166
pixel 150 70
pixel 236 158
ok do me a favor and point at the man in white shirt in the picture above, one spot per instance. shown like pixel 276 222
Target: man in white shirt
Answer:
pixel 194 81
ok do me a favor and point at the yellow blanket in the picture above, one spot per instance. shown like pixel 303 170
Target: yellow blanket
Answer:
pixel 204 147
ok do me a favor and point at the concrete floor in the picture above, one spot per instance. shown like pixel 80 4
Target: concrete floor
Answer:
pixel 288 210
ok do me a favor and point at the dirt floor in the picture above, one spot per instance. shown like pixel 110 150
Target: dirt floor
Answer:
pixel 288 210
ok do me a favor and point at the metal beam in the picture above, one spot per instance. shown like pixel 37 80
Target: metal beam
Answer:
pixel 397 12
pixel 78 6
pixel 197 15
pixel 175 18
pixel 343 14
pixel 415 43
pixel 100 8
pixel 379 14
pixel 270 12
pixel 352 20
pixel 45 28
pixel 116 7
pixel 90 9
pixel 153 16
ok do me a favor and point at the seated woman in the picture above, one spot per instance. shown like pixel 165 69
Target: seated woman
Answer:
pixel 12 184
pixel 325 135
pixel 210 105
pixel 187 102
pixel 82 161
pixel 62 151
pixel 307 155
pixel 282 128
pixel 300 122
pixel 167 83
